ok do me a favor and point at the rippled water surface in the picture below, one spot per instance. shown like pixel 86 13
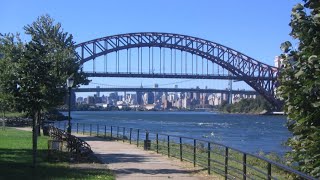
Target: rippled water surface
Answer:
pixel 251 133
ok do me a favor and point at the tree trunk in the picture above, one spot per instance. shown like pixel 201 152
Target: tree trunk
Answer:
pixel 34 138
pixel 39 124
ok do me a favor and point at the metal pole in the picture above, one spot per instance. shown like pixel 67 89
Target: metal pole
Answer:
pixel 83 128
pixel 111 131
pixel 138 137
pixel 130 135
pixel 226 164
pixel 194 152
pixel 124 132
pixel 69 104
pixel 157 143
pixel 97 129
pixel 244 164
pixel 269 171
pixel 117 133
pixel 105 131
pixel 209 158
pixel 180 149
pixel 90 129
pixel 168 146
pixel 77 128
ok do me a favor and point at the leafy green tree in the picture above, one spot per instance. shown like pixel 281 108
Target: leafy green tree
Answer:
pixel 11 49
pixel 300 86
pixel 38 79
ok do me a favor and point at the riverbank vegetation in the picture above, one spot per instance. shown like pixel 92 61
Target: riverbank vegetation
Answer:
pixel 16 160
pixel 249 106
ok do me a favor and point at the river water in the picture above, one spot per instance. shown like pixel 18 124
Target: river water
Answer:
pixel 249 133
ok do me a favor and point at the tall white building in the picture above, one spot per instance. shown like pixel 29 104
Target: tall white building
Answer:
pixel 278 61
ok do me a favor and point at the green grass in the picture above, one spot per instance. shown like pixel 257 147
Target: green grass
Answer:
pixel 16 160
pixel 14 114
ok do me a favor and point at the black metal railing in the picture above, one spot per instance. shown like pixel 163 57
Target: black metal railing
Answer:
pixel 215 157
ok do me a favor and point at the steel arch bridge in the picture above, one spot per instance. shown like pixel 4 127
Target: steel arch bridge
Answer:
pixel 260 76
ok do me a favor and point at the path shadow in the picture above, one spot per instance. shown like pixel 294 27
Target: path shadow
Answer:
pixel 96 138
pixel 127 171
pixel 123 158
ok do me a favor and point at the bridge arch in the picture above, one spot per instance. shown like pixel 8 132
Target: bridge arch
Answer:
pixel 258 75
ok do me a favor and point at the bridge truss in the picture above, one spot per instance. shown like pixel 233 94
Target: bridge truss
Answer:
pixel 260 76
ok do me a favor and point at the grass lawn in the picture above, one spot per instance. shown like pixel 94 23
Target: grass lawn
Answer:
pixel 13 114
pixel 16 160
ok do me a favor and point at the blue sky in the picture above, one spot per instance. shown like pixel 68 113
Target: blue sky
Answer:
pixel 255 28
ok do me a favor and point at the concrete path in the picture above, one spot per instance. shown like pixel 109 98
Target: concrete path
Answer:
pixel 129 162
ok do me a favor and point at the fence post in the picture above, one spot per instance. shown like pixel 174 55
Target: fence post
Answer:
pixel 98 129
pixel 83 126
pixel 130 135
pixel 147 142
pixel 123 134
pixel 168 146
pixel 244 163
pixel 269 171
pixel 111 132
pixel 180 149
pixel 77 128
pixel 226 163
pixel 194 152
pixel 117 133
pixel 138 135
pixel 209 158
pixel 105 131
pixel 90 129
pixel 157 139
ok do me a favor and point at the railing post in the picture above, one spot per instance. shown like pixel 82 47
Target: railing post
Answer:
pixel 168 146
pixel 269 171
pixel 209 158
pixel 64 126
pixel 226 163
pixel 157 139
pixel 90 129
pixel 244 163
pixel 130 135
pixel 105 131
pixel 98 129
pixel 194 152
pixel 147 142
pixel 77 128
pixel 123 134
pixel 117 133
pixel 111 132
pixel 83 126
pixel 138 135
pixel 180 148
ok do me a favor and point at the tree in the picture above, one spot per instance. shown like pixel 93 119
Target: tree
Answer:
pixel 41 69
pixel 300 86
pixel 11 49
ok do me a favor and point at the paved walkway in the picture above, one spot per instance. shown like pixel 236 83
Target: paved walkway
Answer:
pixel 132 163
pixel 129 162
